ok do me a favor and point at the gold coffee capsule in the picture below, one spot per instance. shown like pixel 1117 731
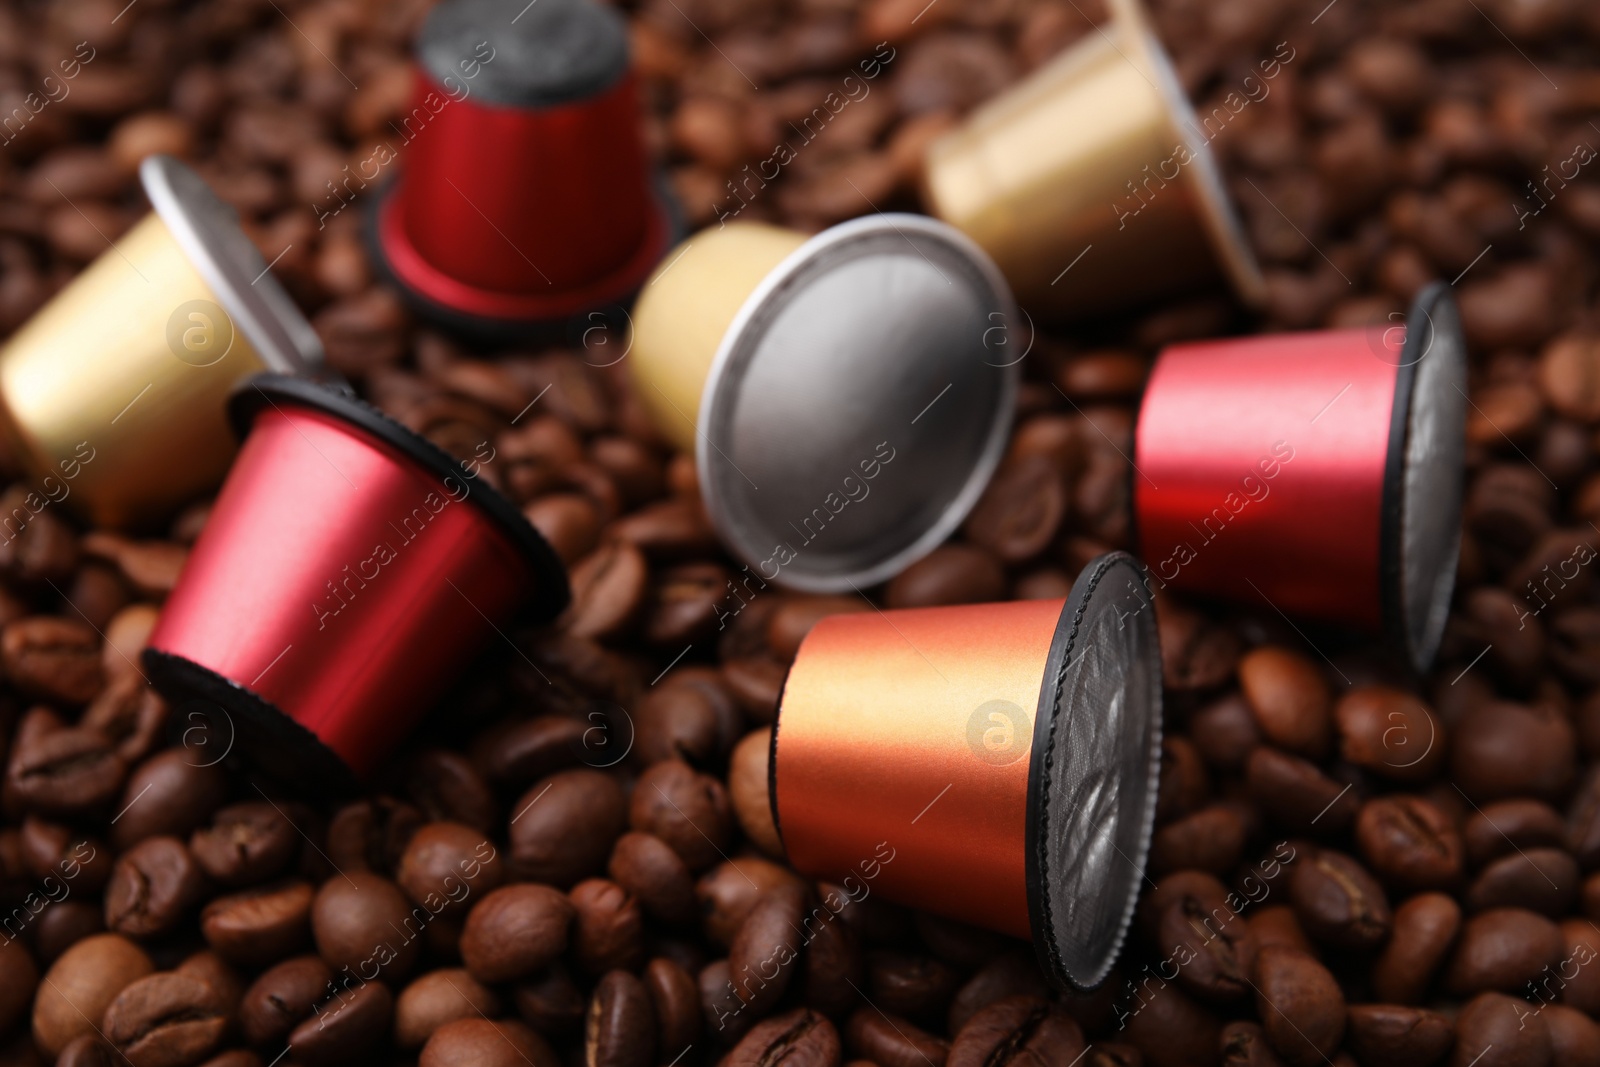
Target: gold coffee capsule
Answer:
pixel 1091 183
pixel 113 393
pixel 846 396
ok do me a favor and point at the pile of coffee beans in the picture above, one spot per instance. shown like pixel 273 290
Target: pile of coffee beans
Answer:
pixel 574 861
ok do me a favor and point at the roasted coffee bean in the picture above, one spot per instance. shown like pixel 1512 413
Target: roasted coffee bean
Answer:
pixel 1245 1045
pixel 1409 842
pixel 1574 981
pixel 563 829
pixel 656 876
pixel 1544 880
pixel 1424 931
pixel 1507 825
pixel 1289 698
pixel 259 926
pixel 687 810
pixel 1583 821
pixel 801 1038
pixel 245 843
pixel 1168 1028
pixel 1338 903
pixel 1502 1031
pixel 950 574
pixel 362 921
pixel 766 951
pixel 1009 975
pixel 130 714
pixel 153 885
pixel 52 659
pixel 1300 1005
pixel 1391 1035
pixel 727 892
pixel 1184 785
pixel 347 1028
pixel 282 997
pixel 608 927
pixel 515 931
pixel 1197 655
pixel 1017 1030
pixel 1224 732
pixel 79 986
pixel 1503 750
pixel 90 1050
pixel 834 966
pixel 18 985
pixel 1214 947
pixel 1211 839
pixel 448 788
pixel 52 850
pixel 437 998
pixel 1574 1037
pixel 1390 733
pixel 445 863
pixel 525 750
pixel 56 769
pixel 371 835
pixel 1019 513
pixel 1294 792
pixel 552 1003
pixel 678 722
pixel 1502 950
pixel 166 1019
pixel 63 925
pixel 892 1042
pixel 478 1042
pixel 169 793
pixel 675 999
pixel 620 1028
pixel 748 790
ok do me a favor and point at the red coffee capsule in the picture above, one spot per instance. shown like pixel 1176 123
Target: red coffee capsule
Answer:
pixel 1319 474
pixel 348 571
pixel 524 195
pixel 992 763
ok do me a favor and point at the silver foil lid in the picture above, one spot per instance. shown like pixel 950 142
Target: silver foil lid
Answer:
pixel 526 54
pixel 208 232
pixel 1094 773
pixel 1424 478
pixel 859 402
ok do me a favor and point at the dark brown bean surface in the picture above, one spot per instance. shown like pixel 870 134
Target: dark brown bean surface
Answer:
pixel 515 931
pixel 172 1019
pixel 1017 1031
pixel 282 997
pixel 1301 1007
pixel 620 1028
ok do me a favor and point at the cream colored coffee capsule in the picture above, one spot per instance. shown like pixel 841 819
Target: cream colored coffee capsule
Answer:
pixel 846 396
pixel 1091 183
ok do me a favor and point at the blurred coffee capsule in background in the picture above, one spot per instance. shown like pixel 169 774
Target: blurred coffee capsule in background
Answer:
pixel 524 196
pixel 115 392
pixel 846 396
pixel 1091 183
pixel 1316 473
pixel 347 573
pixel 992 763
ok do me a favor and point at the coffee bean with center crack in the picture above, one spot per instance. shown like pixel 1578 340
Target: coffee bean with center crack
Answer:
pixel 56 769
pixel 259 926
pixel 1245 1045
pixel 608 927
pixel 620 1028
pixel 1338 902
pixel 478 1042
pixel 1014 1032
pixel 800 1038
pixel 562 829
pixel 1390 1035
pixel 1301 1007
pixel 448 788
pixel 52 659
pixel 515 931
pixel 891 1041
pixel 282 997
pixel 166 1020
pixel 1214 948
pixel 245 843
pixel 1410 843
pixel 153 885
pixel 686 809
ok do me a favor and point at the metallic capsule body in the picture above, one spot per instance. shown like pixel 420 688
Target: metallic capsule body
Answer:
pixel 340 584
pixel 1097 155
pixel 114 393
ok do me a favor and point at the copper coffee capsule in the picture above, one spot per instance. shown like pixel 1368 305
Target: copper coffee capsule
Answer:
pixel 1091 183
pixel 846 396
pixel 992 763
pixel 1314 474
pixel 114 392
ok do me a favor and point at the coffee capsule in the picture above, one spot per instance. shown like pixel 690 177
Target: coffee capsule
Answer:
pixel 1091 183
pixel 114 392
pixel 348 571
pixel 991 763
pixel 846 396
pixel 524 197
pixel 1316 474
